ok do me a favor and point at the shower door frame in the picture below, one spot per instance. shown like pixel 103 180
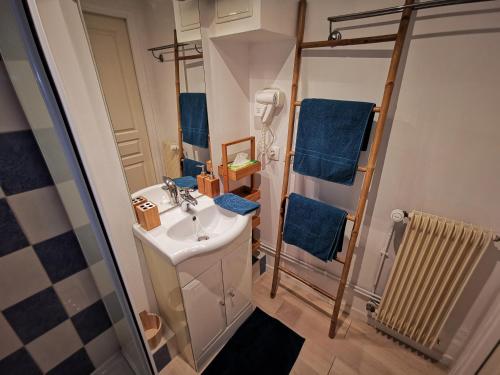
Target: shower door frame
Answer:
pixel 31 48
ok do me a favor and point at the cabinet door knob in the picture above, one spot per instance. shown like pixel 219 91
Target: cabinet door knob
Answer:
pixel 231 293
pixel 222 303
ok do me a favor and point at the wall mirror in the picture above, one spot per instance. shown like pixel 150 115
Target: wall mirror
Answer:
pixel 153 82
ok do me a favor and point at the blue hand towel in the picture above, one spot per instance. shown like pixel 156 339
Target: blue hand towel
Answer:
pixel 188 182
pixel 191 167
pixel 330 137
pixel 194 118
pixel 235 203
pixel 314 227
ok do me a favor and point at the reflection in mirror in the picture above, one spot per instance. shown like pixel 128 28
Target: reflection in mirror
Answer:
pixel 192 149
pixel 154 87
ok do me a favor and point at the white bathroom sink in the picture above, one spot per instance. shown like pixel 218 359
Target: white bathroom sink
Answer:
pixel 204 224
pixel 204 228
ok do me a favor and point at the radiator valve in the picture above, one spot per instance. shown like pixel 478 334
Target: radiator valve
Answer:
pixel 371 306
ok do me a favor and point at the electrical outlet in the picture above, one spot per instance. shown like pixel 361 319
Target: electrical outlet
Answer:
pixel 274 153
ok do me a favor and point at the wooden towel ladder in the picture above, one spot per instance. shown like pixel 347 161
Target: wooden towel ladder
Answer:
pixel 357 218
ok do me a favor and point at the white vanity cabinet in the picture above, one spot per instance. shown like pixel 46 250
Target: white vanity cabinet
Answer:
pixel 204 303
pixel 237 277
pixel 205 298
pixel 216 298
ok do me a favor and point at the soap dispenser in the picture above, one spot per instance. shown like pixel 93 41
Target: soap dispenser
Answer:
pixel 200 179
pixel 212 185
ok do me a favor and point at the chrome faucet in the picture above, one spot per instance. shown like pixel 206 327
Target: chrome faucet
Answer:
pixel 187 199
pixel 171 189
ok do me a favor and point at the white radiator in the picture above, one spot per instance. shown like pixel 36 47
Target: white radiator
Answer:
pixel 434 263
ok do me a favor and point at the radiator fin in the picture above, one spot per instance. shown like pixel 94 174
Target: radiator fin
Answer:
pixel 434 262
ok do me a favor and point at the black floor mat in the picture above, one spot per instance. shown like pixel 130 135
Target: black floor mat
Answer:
pixel 262 345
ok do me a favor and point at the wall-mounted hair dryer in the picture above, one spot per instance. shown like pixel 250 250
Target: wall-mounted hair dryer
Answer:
pixel 266 103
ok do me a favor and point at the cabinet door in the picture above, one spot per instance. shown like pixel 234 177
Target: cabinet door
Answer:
pixel 187 15
pixel 231 10
pixel 237 274
pixel 204 303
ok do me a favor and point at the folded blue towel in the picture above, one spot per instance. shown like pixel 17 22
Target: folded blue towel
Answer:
pixel 188 182
pixel 235 203
pixel 194 118
pixel 314 227
pixel 330 137
pixel 191 167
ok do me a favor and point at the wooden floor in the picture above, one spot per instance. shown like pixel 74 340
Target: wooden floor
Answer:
pixel 357 348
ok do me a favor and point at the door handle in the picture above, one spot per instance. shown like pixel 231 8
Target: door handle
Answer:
pixel 231 293
pixel 222 303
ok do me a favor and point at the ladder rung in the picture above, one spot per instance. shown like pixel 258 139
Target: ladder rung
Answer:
pixel 349 217
pixel 299 102
pixel 191 57
pixel 350 42
pixel 308 283
pixel 360 169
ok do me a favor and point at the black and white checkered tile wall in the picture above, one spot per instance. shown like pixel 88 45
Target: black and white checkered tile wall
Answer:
pixel 59 313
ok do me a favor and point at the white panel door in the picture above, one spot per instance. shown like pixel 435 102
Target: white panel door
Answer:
pixel 237 274
pixel 205 311
pixel 113 55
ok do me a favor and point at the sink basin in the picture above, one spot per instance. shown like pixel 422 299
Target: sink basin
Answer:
pixel 204 228
pixel 202 225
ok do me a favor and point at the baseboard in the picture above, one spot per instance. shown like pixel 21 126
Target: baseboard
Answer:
pixel 354 288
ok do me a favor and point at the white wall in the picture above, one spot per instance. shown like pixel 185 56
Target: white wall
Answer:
pixel 440 151
pixel 227 85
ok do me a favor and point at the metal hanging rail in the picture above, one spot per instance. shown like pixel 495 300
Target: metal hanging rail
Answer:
pixel 335 34
pixel 175 46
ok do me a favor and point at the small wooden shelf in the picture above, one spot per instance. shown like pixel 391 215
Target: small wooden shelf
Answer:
pixel 247 193
pixel 241 173
pixel 255 246
pixel 255 221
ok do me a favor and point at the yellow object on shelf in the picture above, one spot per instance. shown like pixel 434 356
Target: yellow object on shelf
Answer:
pixel 241 166
pixel 247 170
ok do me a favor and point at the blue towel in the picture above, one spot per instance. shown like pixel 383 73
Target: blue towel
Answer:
pixel 235 203
pixel 191 167
pixel 314 227
pixel 188 182
pixel 194 118
pixel 330 137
